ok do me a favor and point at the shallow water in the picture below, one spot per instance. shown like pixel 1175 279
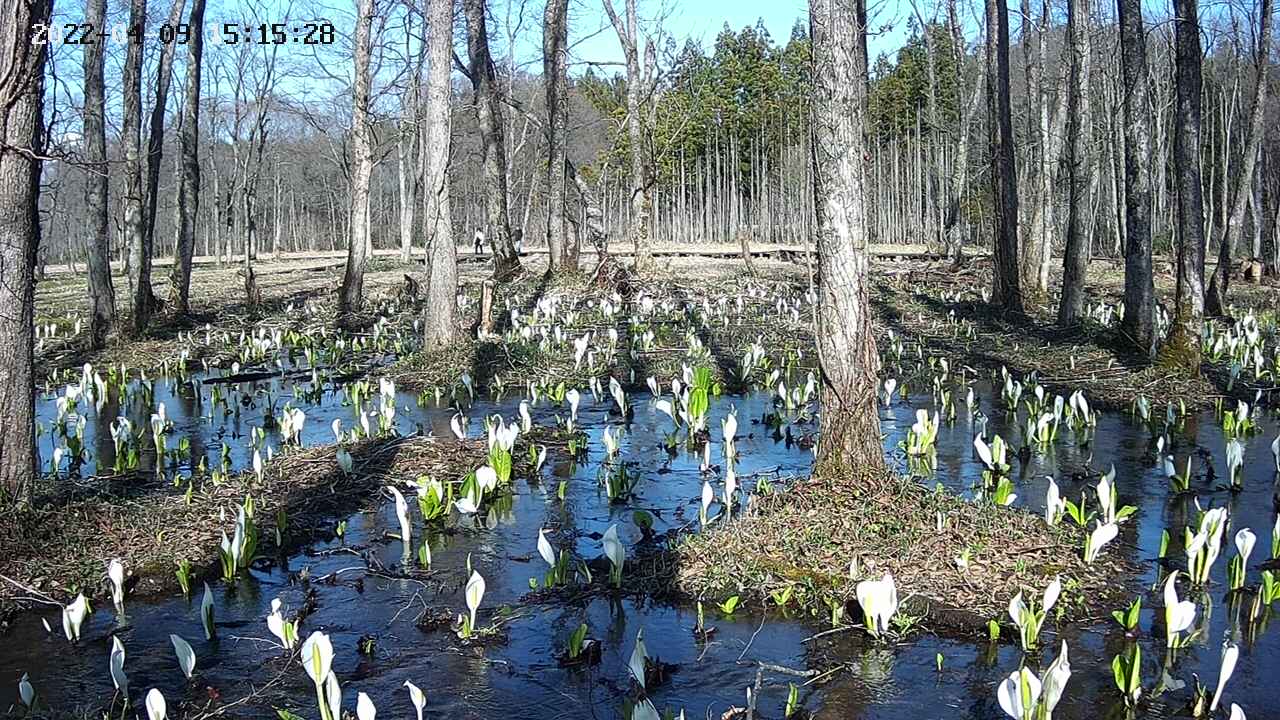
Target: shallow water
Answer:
pixel 520 677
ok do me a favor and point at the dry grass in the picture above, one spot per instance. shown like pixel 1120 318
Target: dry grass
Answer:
pixel 813 535
pixel 61 544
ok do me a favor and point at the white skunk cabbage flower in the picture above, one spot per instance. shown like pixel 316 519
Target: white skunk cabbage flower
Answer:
pixel 879 601
pixel 1101 535
pixel 615 551
pixel 1179 615
pixel 365 709
pixel 317 657
pixel 115 573
pixel 402 514
pixel 284 632
pixel 638 657
pixel 186 655
pixel 26 693
pixel 547 552
pixel 156 709
pixel 416 696
pixel 1018 694
pixel 474 593
pixel 116 666
pixel 1230 653
pixel 73 617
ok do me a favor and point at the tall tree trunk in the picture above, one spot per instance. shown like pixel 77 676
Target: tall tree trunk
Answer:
pixel 1182 347
pixel 952 228
pixel 21 147
pixel 155 148
pixel 506 262
pixel 406 154
pixel 189 179
pixel 1075 260
pixel 440 323
pixel 102 298
pixel 1216 300
pixel 637 113
pixel 850 438
pixel 562 249
pixel 1006 289
pixel 352 293
pixel 1139 322
pixel 134 220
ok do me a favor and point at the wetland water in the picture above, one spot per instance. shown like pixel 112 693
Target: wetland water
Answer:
pixel 519 676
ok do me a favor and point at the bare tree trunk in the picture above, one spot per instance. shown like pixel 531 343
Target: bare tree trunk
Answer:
pixel 1139 322
pixel 189 181
pixel 440 324
pixel 134 220
pixel 1075 261
pixel 21 147
pixel 352 291
pixel 102 298
pixel 850 438
pixel 506 262
pixel 952 227
pixel 155 148
pixel 1216 300
pixel 408 153
pixel 637 101
pixel 1006 291
pixel 562 249
pixel 1182 347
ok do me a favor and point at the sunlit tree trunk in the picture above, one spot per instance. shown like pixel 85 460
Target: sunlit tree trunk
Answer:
pixel 155 148
pixel 21 147
pixel 134 221
pixel 850 437
pixel 1139 283
pixel 1075 260
pixel 102 299
pixel 1216 300
pixel 562 249
pixel 1006 289
pixel 352 293
pixel 638 92
pixel 440 322
pixel 506 262
pixel 189 177
pixel 1182 347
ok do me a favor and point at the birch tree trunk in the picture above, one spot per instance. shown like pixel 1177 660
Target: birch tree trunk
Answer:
pixel 189 181
pixel 1139 322
pixel 1216 300
pixel 21 147
pixel 102 299
pixel 1182 347
pixel 440 324
pixel 1006 290
pixel 562 250
pixel 1075 260
pixel 850 437
pixel 134 221
pixel 352 293
pixel 506 263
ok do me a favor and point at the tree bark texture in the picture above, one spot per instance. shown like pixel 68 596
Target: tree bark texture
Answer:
pixel 352 293
pixel 440 323
pixel 637 113
pixel 484 83
pixel 1075 260
pixel 102 298
pixel 1139 322
pixel 562 249
pixel 21 146
pixel 189 175
pixel 850 439
pixel 134 221
pixel 1006 290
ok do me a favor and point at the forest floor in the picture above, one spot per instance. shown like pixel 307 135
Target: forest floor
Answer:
pixel 914 301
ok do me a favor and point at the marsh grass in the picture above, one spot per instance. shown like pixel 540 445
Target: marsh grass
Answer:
pixel 56 546
pixel 805 537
